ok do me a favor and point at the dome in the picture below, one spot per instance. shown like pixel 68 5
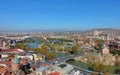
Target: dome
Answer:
pixel 15 60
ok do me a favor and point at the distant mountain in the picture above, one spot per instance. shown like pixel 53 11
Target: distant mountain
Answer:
pixel 63 30
pixel 47 30
pixel 105 30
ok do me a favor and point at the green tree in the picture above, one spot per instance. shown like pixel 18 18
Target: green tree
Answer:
pixel 101 67
pixel 95 66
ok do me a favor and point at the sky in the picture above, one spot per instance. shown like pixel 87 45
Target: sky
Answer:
pixel 23 15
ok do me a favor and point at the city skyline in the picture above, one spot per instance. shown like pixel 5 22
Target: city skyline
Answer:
pixel 28 15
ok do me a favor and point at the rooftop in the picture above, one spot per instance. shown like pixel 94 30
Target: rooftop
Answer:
pixel 62 65
pixel 15 60
pixel 41 69
pixel 55 73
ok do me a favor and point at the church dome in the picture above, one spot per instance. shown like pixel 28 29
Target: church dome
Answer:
pixel 15 60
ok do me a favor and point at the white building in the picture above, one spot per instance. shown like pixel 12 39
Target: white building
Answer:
pixel 63 68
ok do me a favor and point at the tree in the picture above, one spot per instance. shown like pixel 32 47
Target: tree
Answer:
pixel 93 73
pixel 98 67
pixel 50 55
pixel 16 45
pixel 66 49
pixel 107 73
pixel 52 47
pixel 42 51
pixel 20 46
pixel 101 67
pixel 99 42
pixel 27 71
pixel 44 47
pixel 117 71
pixel 97 47
pixel 37 49
pixel 60 49
pixel 11 47
pixel 95 66
pixel 75 48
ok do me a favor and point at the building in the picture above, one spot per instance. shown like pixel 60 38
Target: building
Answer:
pixel 3 69
pixel 105 59
pixel 41 71
pixel 63 68
pixel 54 73
pixel 3 45
pixel 15 64
pixel 105 50
pixel 11 51
pixel 95 33
pixel 37 57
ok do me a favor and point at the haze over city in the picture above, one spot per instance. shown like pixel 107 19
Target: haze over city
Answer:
pixel 29 15
pixel 59 37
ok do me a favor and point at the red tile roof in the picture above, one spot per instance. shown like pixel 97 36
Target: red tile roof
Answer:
pixel 45 65
pixel 9 50
pixel 55 73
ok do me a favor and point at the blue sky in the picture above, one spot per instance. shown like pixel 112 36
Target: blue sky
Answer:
pixel 59 14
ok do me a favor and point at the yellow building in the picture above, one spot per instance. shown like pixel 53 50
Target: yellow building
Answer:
pixel 37 57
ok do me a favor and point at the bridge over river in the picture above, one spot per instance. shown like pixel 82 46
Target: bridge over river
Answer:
pixel 65 58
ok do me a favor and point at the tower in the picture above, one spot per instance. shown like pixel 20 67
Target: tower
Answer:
pixel 105 50
pixel 3 45
pixel 95 33
pixel 15 64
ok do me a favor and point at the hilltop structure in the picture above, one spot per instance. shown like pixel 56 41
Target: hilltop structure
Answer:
pixel 95 33
pixel 104 58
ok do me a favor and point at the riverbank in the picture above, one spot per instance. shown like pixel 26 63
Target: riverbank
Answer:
pixel 110 69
